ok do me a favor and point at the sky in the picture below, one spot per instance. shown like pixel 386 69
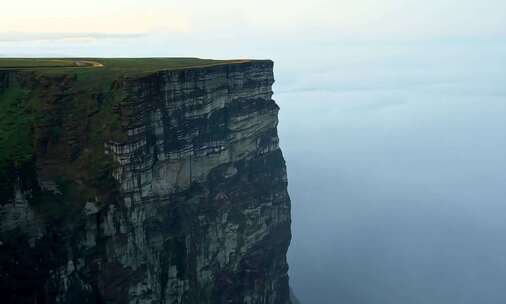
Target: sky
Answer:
pixel 56 27
pixel 391 123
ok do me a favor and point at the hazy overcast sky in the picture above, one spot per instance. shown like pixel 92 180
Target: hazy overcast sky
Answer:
pixel 77 23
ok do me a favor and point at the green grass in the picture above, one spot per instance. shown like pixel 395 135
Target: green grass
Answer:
pixel 14 127
pixel 16 148
pixel 111 65
pixel 26 63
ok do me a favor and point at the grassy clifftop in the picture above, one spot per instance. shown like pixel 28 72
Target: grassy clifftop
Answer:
pixel 93 72
pixel 129 66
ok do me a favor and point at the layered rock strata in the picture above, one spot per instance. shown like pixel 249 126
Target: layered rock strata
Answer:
pixel 198 210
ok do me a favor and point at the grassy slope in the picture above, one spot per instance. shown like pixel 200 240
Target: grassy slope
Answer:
pixel 34 63
pixel 128 66
pixel 16 149
pixel 14 127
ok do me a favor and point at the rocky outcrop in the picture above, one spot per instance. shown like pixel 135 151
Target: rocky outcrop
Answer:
pixel 198 210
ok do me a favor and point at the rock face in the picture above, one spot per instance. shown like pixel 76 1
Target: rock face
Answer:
pixel 199 212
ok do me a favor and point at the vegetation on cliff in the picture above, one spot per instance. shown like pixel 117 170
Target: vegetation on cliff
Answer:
pixel 56 114
pixel 16 152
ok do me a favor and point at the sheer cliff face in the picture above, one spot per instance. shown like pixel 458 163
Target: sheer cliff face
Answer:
pixel 200 211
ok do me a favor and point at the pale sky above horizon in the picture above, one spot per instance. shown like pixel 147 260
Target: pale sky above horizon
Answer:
pixel 274 29
pixel 397 19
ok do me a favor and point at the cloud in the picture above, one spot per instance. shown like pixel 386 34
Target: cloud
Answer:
pixel 71 37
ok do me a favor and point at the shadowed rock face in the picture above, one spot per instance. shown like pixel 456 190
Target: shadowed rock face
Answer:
pixel 199 214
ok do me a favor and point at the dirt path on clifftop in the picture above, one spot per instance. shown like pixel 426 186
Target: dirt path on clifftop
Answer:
pixel 26 63
pixel 89 64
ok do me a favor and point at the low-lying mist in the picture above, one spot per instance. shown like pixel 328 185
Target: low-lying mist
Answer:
pixel 397 173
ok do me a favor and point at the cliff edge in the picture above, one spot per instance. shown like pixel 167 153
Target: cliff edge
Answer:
pixel 142 181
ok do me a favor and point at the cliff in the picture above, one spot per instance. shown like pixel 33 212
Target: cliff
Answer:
pixel 125 184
